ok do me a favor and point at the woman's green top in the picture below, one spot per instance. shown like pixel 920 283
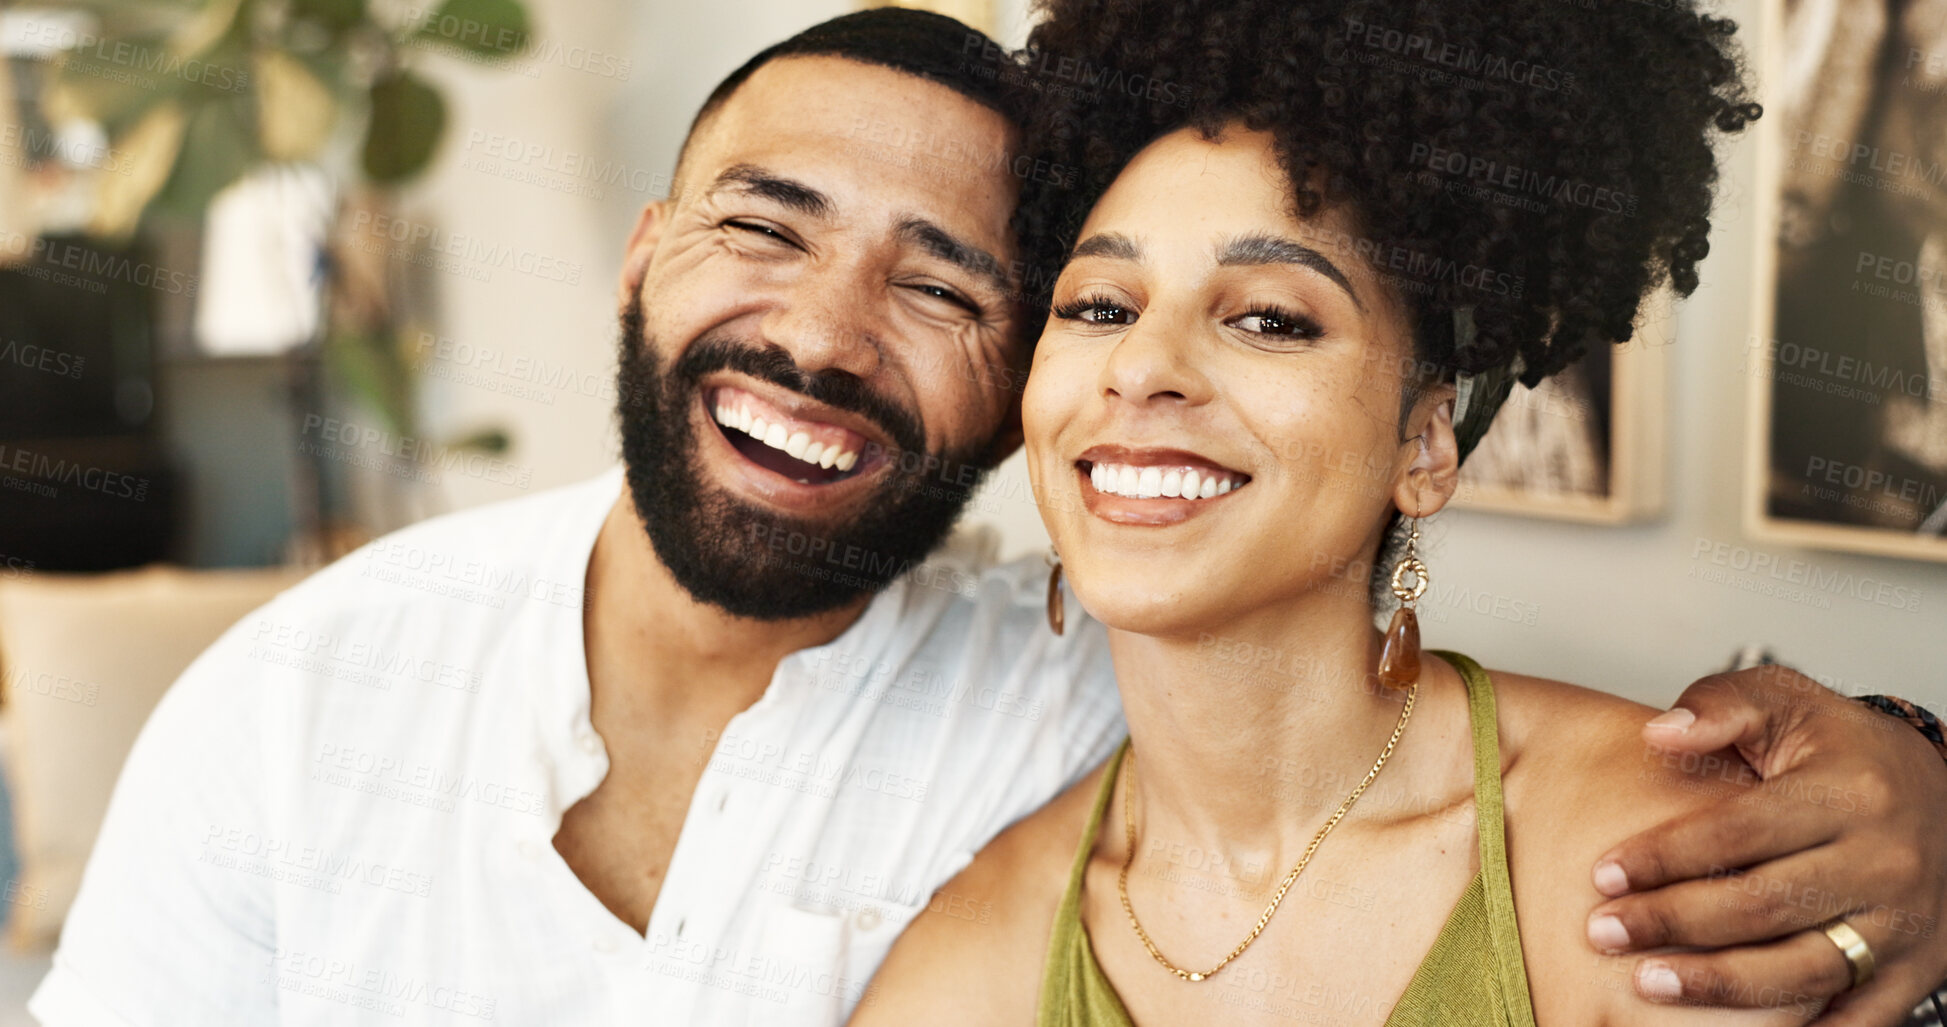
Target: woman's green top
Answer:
pixel 1473 975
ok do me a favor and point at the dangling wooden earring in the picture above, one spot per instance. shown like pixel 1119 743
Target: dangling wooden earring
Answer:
pixel 1399 656
pixel 1055 604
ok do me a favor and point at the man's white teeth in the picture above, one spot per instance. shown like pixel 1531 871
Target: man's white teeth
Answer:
pixel 1157 482
pixel 797 445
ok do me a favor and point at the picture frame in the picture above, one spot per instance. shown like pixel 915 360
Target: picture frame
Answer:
pixel 1846 363
pixel 1588 445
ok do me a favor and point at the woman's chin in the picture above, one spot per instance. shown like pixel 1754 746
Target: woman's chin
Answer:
pixel 1163 615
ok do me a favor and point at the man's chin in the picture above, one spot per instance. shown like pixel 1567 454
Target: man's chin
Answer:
pixel 755 564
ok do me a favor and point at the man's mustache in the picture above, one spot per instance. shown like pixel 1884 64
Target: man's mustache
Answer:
pixel 838 389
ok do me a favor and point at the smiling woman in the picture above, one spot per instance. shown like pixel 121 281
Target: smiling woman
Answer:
pixel 1275 334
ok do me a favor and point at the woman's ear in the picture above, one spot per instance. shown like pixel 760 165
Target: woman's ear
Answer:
pixel 1432 472
pixel 642 246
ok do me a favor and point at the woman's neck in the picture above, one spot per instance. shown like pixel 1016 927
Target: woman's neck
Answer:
pixel 1249 736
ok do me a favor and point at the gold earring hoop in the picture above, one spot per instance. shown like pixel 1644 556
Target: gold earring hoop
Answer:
pixel 1056 607
pixel 1399 655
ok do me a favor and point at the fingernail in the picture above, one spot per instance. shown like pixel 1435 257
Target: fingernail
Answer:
pixel 1678 720
pixel 1657 982
pixel 1610 879
pixel 1608 934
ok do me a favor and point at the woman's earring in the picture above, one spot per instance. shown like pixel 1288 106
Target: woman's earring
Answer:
pixel 1055 604
pixel 1399 657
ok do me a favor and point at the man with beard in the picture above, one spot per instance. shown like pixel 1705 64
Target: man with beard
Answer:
pixel 691 744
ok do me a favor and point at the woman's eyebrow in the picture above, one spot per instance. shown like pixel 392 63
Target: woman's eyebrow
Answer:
pixel 1259 248
pixel 1113 245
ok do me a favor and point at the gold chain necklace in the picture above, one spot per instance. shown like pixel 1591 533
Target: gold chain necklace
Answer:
pixel 1129 824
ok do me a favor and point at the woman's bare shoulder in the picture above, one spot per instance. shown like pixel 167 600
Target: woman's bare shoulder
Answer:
pixel 975 954
pixel 1580 779
pixel 1567 748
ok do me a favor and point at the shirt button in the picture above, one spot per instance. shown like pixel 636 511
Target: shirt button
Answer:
pixel 605 945
pixel 528 848
pixel 869 918
pixel 589 743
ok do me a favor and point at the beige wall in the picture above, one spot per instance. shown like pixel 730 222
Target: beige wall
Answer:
pixel 1617 608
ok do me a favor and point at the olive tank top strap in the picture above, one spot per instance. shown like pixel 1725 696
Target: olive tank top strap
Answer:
pixel 1504 932
pixel 1074 992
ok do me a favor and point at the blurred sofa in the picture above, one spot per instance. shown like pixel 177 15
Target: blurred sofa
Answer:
pixel 83 660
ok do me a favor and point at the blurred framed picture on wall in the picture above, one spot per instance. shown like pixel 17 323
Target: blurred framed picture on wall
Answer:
pixel 1847 366
pixel 1587 444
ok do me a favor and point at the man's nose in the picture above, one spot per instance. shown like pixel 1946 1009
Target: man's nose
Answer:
pixel 830 320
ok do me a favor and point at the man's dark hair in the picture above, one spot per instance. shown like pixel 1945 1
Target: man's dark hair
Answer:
pixel 932 46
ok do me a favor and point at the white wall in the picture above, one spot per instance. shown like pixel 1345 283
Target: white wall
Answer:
pixel 1616 608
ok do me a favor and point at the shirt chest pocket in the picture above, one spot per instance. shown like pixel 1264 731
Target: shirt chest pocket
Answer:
pixel 815 964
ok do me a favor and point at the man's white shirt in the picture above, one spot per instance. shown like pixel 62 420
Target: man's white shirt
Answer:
pixel 343 812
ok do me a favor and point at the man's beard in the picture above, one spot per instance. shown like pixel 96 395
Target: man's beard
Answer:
pixel 750 561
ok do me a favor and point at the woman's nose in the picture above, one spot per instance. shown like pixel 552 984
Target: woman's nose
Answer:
pixel 1154 361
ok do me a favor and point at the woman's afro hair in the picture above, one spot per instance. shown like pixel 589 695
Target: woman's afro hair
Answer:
pixel 1544 162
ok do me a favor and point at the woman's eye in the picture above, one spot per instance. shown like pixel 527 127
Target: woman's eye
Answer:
pixel 1277 322
pixel 1096 312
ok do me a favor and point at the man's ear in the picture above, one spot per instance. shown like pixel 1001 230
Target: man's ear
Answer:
pixel 1432 473
pixel 648 232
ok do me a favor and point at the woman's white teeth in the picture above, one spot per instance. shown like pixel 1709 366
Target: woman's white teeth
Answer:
pixel 797 445
pixel 1157 482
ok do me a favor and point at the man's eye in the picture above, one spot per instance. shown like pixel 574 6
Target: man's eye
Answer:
pixel 939 292
pixel 758 228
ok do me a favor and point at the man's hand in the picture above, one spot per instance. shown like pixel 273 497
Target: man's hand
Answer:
pixel 1850 821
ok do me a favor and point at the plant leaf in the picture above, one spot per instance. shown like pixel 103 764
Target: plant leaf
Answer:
pixel 368 370
pixel 149 150
pixel 334 15
pixel 294 110
pixel 115 82
pixel 484 440
pixel 219 145
pixel 493 29
pixel 403 129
